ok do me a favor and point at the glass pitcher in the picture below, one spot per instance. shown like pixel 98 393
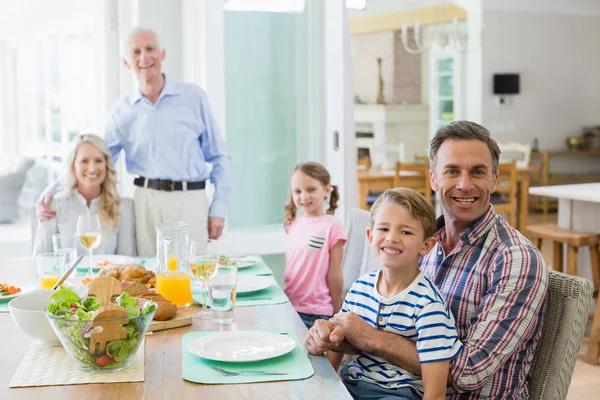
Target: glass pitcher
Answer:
pixel 173 277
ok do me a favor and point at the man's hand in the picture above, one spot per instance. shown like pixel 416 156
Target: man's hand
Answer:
pixel 357 331
pixel 215 227
pixel 44 212
pixel 323 336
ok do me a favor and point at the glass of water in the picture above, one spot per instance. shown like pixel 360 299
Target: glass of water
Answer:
pixel 222 295
pixel 65 244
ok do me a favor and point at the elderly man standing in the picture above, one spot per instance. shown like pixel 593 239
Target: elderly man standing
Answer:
pixel 493 278
pixel 169 136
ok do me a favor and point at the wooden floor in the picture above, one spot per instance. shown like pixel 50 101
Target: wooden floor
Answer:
pixel 585 383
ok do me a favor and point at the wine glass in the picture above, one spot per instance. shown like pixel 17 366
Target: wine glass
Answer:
pixel 89 233
pixel 203 266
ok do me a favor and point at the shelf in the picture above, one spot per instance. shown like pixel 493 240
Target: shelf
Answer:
pixel 568 153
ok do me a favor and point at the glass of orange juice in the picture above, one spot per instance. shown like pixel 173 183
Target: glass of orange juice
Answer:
pixel 175 286
pixel 50 267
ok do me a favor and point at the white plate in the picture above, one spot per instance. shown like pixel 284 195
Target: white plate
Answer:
pixel 24 290
pixel 242 261
pixel 100 258
pixel 252 283
pixel 241 346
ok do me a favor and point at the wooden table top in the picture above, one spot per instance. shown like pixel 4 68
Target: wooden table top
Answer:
pixel 163 361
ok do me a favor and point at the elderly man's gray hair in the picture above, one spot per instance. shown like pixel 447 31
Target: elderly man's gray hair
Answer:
pixel 126 43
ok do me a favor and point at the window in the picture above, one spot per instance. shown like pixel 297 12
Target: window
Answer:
pixel 53 78
pixel 443 92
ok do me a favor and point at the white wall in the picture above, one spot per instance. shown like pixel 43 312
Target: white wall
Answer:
pixel 558 59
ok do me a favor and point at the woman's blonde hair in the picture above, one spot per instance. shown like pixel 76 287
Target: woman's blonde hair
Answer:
pixel 318 172
pixel 109 201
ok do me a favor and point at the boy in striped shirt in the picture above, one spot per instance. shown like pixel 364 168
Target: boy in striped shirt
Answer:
pixel 400 299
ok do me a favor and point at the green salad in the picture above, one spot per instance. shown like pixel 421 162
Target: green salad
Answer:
pixel 71 318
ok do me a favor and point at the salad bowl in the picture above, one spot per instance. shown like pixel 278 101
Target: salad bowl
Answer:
pixel 73 321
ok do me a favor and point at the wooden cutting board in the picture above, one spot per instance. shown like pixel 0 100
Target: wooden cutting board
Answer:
pixel 182 318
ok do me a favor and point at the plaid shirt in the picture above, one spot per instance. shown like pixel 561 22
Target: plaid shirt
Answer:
pixel 495 282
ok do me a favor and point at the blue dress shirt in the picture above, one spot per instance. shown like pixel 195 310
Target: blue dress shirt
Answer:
pixel 172 139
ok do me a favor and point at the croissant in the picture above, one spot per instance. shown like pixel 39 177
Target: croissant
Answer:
pixel 130 272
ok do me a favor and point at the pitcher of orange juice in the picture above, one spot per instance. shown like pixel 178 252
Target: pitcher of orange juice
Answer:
pixel 173 276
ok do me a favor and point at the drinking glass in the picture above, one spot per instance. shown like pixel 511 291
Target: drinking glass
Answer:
pixel 65 244
pixel 203 266
pixel 50 267
pixel 222 294
pixel 89 233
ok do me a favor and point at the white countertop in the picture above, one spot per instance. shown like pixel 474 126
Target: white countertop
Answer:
pixel 582 192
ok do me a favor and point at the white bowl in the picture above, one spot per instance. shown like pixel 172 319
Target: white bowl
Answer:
pixel 28 313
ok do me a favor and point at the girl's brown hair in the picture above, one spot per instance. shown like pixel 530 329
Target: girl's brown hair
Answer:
pixel 318 172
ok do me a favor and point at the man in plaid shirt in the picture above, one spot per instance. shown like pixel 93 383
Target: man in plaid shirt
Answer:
pixel 493 278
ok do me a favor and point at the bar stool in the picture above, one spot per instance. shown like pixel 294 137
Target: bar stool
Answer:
pixel 574 240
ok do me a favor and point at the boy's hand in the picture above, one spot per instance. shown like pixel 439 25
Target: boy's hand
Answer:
pixel 357 331
pixel 323 336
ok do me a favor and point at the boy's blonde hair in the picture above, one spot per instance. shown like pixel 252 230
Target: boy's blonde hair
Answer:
pixel 419 207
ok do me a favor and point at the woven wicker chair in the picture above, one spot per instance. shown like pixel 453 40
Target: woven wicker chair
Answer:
pixel 565 319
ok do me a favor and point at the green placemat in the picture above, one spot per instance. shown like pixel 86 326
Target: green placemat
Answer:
pixel 196 369
pixel 4 306
pixel 261 268
pixel 271 295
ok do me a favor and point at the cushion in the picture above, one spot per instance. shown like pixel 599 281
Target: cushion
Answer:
pixel 12 177
pixel 38 177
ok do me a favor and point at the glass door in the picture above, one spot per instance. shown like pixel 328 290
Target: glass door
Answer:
pixel 279 77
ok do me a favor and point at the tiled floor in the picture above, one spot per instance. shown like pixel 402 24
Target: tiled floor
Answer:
pixel 585 383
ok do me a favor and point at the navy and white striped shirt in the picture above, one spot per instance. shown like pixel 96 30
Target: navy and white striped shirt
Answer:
pixel 419 313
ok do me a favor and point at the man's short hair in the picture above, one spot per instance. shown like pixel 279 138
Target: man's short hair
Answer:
pixel 419 207
pixel 126 42
pixel 464 130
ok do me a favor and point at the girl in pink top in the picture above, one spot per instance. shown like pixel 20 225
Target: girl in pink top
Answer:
pixel 314 245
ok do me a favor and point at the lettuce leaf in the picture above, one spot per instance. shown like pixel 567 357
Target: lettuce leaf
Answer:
pixel 129 303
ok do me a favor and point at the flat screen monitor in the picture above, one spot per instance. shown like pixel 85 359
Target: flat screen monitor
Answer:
pixel 506 83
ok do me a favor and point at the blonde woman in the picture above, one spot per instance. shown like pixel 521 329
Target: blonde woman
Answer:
pixel 88 186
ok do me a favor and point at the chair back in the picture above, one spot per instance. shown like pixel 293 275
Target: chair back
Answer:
pixel 364 163
pixel 504 198
pixel 357 259
pixel 421 158
pixel 421 171
pixel 564 322
pixel 521 152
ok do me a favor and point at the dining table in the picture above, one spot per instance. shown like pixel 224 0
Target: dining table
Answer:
pixel 371 180
pixel 163 358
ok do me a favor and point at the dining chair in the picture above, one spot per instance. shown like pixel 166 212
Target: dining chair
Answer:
pixel 521 152
pixel 364 163
pixel 419 158
pixel 504 199
pixel 357 259
pixel 422 170
pixel 563 326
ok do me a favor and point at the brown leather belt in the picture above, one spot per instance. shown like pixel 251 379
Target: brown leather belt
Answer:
pixel 167 185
